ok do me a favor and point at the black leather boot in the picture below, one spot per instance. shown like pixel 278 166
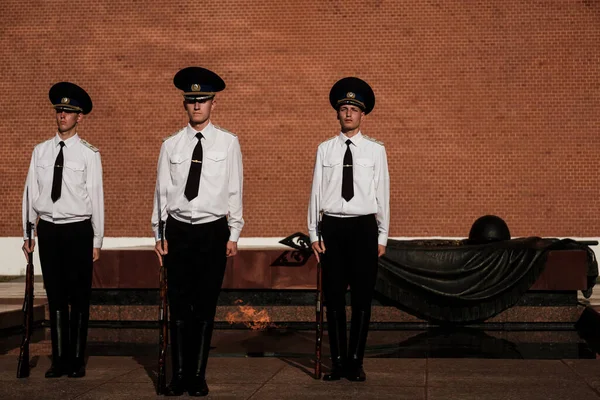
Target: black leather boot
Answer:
pixel 178 383
pixel 203 333
pixel 59 334
pixel 79 331
pixel 336 327
pixel 359 329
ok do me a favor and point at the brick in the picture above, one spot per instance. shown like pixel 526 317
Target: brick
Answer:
pixel 484 106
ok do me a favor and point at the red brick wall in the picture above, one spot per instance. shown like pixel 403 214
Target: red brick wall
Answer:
pixel 484 107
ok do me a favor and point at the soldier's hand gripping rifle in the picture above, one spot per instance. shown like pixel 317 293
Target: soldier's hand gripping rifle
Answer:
pixel 319 306
pixel 23 365
pixel 163 316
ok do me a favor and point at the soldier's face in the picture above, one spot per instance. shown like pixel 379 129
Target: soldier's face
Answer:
pixel 350 117
pixel 67 120
pixel 199 111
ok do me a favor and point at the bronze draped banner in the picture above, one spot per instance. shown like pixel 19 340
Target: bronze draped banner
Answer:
pixel 453 282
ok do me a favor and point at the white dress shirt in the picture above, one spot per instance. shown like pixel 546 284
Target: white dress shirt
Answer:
pixel 82 195
pixel 371 183
pixel 221 180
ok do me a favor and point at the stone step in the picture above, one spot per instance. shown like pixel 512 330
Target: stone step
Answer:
pixel 11 316
pixel 263 315
pixel 11 313
pixel 144 343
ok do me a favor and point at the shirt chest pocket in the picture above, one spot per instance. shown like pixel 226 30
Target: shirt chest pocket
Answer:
pixel 179 166
pixel 214 163
pixel 45 171
pixel 364 169
pixel 74 172
pixel 332 169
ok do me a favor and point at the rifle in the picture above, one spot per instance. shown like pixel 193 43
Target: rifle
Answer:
pixel 23 365
pixel 319 308
pixel 163 316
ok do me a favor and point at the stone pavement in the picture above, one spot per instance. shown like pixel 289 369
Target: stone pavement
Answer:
pixel 499 365
pixel 114 378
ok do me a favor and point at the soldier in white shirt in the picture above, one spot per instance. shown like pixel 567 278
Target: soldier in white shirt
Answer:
pixel 199 182
pixel 64 189
pixel 351 189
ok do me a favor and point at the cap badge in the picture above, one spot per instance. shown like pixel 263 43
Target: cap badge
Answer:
pixel 65 100
pixel 195 87
pixel 350 95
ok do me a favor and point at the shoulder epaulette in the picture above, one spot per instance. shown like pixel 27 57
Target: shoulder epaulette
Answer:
pixel 171 135
pixel 224 130
pixel 88 145
pixel 373 140
pixel 333 137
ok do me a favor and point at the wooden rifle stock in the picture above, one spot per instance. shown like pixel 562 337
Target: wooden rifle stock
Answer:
pixel 23 365
pixel 163 320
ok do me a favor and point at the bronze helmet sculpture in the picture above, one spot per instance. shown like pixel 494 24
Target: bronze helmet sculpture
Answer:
pixel 487 229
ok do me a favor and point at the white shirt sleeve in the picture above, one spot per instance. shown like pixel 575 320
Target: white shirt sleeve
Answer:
pixel 314 205
pixel 235 191
pixel 30 193
pixel 162 181
pixel 95 191
pixel 382 195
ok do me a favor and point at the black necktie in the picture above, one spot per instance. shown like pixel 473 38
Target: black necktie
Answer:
pixel 57 178
pixel 347 175
pixel 193 181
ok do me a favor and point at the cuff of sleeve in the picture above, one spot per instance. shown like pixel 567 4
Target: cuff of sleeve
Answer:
pixel 98 242
pixel 33 229
pixel 382 239
pixel 313 236
pixel 234 234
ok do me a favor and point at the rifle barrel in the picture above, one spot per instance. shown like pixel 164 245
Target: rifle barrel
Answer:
pixel 587 242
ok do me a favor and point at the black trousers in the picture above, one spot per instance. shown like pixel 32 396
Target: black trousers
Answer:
pixel 67 263
pixel 350 259
pixel 195 267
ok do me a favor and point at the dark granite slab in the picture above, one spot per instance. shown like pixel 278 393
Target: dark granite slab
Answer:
pixel 251 269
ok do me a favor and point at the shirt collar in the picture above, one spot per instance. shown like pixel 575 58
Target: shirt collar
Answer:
pixel 356 139
pixel 69 142
pixel 207 132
